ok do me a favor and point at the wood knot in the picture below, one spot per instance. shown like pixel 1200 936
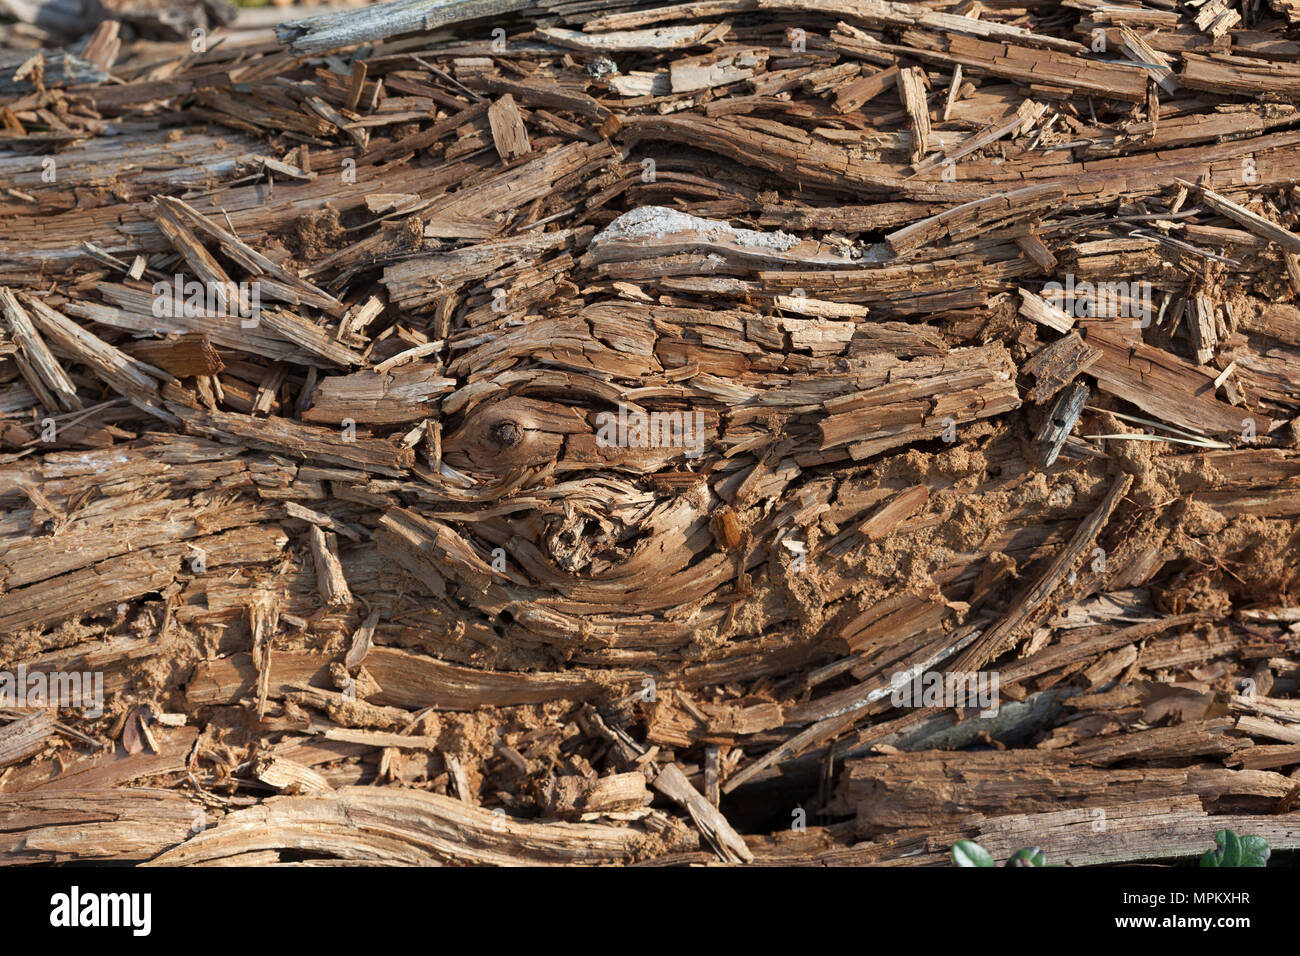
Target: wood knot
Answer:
pixel 507 434
pixel 515 432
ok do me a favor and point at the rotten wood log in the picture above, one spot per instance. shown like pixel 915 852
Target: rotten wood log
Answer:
pixel 606 426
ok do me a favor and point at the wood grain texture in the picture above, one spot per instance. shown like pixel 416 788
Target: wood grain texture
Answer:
pixel 488 432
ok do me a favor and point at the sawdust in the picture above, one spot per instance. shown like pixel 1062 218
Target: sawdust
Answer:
pixel 317 234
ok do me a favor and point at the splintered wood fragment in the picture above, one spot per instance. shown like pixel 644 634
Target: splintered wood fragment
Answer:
pixel 1274 708
pixel 188 355
pixel 629 41
pixel 898 509
pixel 277 282
pixel 886 13
pixel 1154 62
pixel 1050 68
pixel 95 825
pixel 1278 321
pixel 419 282
pixel 573 796
pixel 103 46
pixel 692 74
pixel 200 261
pixel 307 336
pixel 852 96
pixel 371 738
pixel 1173 825
pixel 1060 655
pixel 803 305
pixel 293 509
pixel 1200 323
pixel 922 401
pixel 379 397
pixel 911 90
pixel 284 169
pixel 362 641
pixel 123 373
pixel 410 355
pixel 343 28
pixel 343 703
pixel 399 826
pixel 662 231
pixel 1225 374
pixel 1287 8
pixel 1059 423
pixel 1202 737
pixel 355 322
pixel 407 680
pixel 1293 270
pixel 1165 386
pixel 263 616
pixel 1025 116
pixel 969 216
pixel 1044 313
pixel 1026 607
pixel 330 580
pixel 1239 75
pixel 1216 18
pixel 1057 364
pixel 42 371
pixel 338 446
pixel 712 769
pixel 678 721
pixel 934 789
pixel 536 93
pixel 729 845
pixel 954 91
pixel 1255 223
pixel 861 697
pixel 459 779
pixel 1268 729
pixel 282 773
pixel 508 132
pixel 357 86
pixel 106 258
pixel 1035 249
pixel 96 584
pixel 1265 757
pixel 359 135
pixel 25 736
pixel 103 769
pixel 57 69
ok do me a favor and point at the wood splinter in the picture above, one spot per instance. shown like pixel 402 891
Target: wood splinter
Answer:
pixel 1059 423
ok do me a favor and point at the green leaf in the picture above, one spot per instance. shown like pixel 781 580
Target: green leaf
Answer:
pixel 1227 849
pixel 1029 856
pixel 1209 859
pixel 970 853
pixel 1254 851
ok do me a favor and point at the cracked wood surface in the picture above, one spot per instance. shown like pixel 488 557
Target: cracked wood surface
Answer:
pixel 579 443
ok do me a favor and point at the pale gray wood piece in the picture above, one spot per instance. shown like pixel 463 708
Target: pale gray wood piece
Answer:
pixel 349 28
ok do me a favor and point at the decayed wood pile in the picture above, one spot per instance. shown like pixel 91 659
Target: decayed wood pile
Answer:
pixel 513 432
